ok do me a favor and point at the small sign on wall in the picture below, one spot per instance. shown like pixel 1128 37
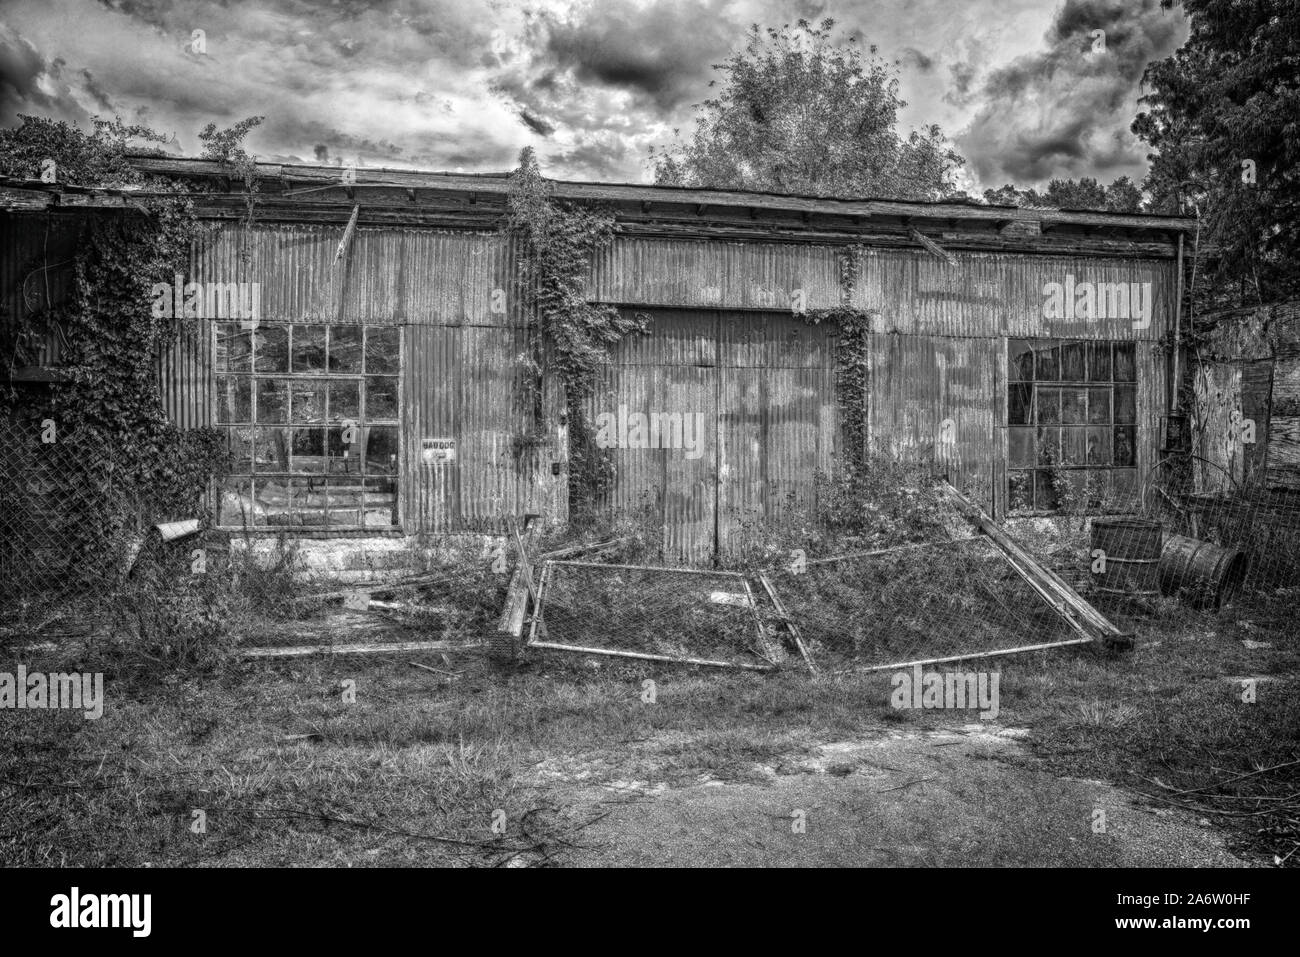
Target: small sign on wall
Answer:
pixel 438 451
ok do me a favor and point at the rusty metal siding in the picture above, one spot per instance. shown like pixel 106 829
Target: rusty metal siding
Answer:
pixel 185 375
pixel 912 291
pixel 464 383
pixel 918 382
pixel 389 275
pixel 999 294
pixel 763 386
pixel 713 274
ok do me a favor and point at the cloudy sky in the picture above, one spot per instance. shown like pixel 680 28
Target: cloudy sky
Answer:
pixel 464 84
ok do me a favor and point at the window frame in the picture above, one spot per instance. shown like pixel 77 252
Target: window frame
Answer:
pixel 236 411
pixel 1070 378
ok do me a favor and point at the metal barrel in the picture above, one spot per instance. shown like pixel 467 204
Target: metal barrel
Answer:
pixel 1202 573
pixel 1126 556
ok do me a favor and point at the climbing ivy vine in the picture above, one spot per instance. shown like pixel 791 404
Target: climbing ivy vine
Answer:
pixel 569 336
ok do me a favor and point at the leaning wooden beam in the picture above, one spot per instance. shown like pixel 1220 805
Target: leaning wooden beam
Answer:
pixel 976 654
pixel 539 608
pixel 785 616
pixel 377 588
pixel 934 248
pixel 644 656
pixel 1042 578
pixel 593 549
pixel 297 651
pixel 510 627
pixel 884 551
pixel 657 568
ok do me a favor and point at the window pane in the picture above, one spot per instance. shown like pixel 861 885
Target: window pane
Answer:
pixel 1124 445
pixel 1047 364
pixel 1074 446
pixel 382 350
pixel 1019 403
pixel 309 348
pixel 381 451
pixel 1098 452
pixel 1049 446
pixel 1125 369
pixel 1074 404
pixel 308 401
pixel 273 500
pixel 1072 361
pixel 1097 488
pixel 345 348
pixel 1049 406
pixel 1099 361
pixel 1125 405
pixel 234 348
pixel 381 397
pixel 272 448
pixel 272 344
pixel 1020 489
pixel 272 401
pixel 308 501
pixel 345 502
pixel 1020 361
pixel 1099 406
pixel 237 505
pixel 340 461
pixel 380 502
pixel 234 399
pixel 308 450
pixel 241 449
pixel 345 400
pixel 1045 498
pixel 1020 448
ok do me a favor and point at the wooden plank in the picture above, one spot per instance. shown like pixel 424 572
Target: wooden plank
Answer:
pixel 645 656
pixel 785 616
pixel 298 651
pixel 979 654
pixel 1046 582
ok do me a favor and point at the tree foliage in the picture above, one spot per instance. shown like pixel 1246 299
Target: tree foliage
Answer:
pixel 1121 196
pixel 1231 95
pixel 799 112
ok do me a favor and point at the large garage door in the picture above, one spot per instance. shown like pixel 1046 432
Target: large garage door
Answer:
pixel 720 421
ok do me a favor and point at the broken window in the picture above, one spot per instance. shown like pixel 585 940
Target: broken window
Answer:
pixel 1071 424
pixel 311 412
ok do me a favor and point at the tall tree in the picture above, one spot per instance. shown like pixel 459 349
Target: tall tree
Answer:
pixel 799 112
pixel 1223 119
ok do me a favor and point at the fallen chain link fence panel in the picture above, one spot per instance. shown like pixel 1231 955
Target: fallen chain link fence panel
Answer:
pixel 918 604
pixel 681 615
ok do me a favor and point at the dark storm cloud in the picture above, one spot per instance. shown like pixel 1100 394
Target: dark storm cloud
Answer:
pixel 29 83
pixel 1065 111
pixel 660 51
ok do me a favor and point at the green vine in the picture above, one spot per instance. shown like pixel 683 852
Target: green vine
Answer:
pixel 852 357
pixel 569 336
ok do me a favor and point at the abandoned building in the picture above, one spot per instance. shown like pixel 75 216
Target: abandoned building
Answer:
pixel 368 358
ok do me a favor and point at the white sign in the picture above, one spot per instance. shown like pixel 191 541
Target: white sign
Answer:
pixel 438 451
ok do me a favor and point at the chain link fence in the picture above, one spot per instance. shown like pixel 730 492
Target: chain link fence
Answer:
pixel 65 525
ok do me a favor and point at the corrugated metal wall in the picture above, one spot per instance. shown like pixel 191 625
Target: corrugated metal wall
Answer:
pixel 456 297
pixel 762 386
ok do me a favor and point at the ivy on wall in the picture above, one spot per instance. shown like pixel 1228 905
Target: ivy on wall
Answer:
pixel 569 336
pixel 852 358
pixel 110 338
